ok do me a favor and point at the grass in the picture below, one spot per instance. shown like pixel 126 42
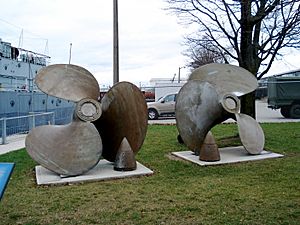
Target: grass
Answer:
pixel 259 192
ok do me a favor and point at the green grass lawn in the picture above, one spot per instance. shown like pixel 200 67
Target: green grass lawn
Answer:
pixel 257 192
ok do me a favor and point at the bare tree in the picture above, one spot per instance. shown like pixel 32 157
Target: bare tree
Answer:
pixel 251 32
pixel 202 52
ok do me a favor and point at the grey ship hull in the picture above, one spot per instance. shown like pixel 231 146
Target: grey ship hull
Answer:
pixel 16 104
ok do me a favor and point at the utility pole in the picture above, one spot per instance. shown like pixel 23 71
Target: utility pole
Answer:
pixel 116 43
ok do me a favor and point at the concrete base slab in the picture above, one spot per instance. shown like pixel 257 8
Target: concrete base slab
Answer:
pixel 103 171
pixel 227 155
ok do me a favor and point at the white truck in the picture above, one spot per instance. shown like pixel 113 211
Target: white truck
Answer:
pixel 162 89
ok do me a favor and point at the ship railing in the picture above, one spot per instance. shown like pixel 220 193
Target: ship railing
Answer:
pixel 23 124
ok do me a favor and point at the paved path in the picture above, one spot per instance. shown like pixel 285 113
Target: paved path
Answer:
pixel 263 115
pixel 14 142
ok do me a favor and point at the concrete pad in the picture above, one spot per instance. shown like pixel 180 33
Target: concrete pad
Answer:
pixel 103 171
pixel 227 155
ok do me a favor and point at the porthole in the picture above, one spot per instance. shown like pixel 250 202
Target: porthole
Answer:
pixel 58 101
pixel 44 101
pixel 12 103
pixel 5 67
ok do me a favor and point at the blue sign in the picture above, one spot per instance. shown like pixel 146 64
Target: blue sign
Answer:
pixel 5 172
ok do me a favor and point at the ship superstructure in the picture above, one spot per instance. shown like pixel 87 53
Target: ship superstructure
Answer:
pixel 18 68
pixel 19 95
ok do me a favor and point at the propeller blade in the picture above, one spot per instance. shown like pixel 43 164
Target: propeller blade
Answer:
pixel 251 133
pixel 226 78
pixel 198 109
pixel 68 82
pixel 124 114
pixel 67 150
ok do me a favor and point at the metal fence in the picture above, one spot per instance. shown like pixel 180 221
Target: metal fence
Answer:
pixel 22 124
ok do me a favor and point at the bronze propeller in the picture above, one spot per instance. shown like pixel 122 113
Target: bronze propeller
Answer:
pixel 77 147
pixel 124 114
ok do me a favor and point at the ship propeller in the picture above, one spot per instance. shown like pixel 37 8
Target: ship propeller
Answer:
pixel 211 97
pixel 75 148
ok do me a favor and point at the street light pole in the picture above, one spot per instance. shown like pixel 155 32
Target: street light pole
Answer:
pixel 115 43
pixel 179 73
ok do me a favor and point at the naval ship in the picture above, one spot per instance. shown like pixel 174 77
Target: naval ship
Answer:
pixel 19 96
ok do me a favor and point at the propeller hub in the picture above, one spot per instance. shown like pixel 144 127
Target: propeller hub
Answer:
pixel 88 110
pixel 231 103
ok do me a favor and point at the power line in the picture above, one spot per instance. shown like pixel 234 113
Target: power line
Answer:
pixel 27 31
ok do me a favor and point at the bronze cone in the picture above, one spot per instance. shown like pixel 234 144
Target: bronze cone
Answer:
pixel 209 150
pixel 125 160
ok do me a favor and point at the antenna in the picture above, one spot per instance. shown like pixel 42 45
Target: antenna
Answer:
pixel 70 55
pixel 21 39
pixel 46 51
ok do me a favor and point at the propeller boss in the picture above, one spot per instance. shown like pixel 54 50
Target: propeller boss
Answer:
pixel 88 110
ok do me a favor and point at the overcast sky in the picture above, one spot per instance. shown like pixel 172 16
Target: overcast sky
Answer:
pixel 150 38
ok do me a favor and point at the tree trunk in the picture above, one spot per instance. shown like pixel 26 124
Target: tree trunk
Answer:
pixel 247 57
pixel 248 104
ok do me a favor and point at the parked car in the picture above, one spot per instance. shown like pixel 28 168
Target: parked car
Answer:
pixel 165 106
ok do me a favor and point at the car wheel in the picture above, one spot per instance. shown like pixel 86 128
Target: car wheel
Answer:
pixel 295 111
pixel 285 111
pixel 152 114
